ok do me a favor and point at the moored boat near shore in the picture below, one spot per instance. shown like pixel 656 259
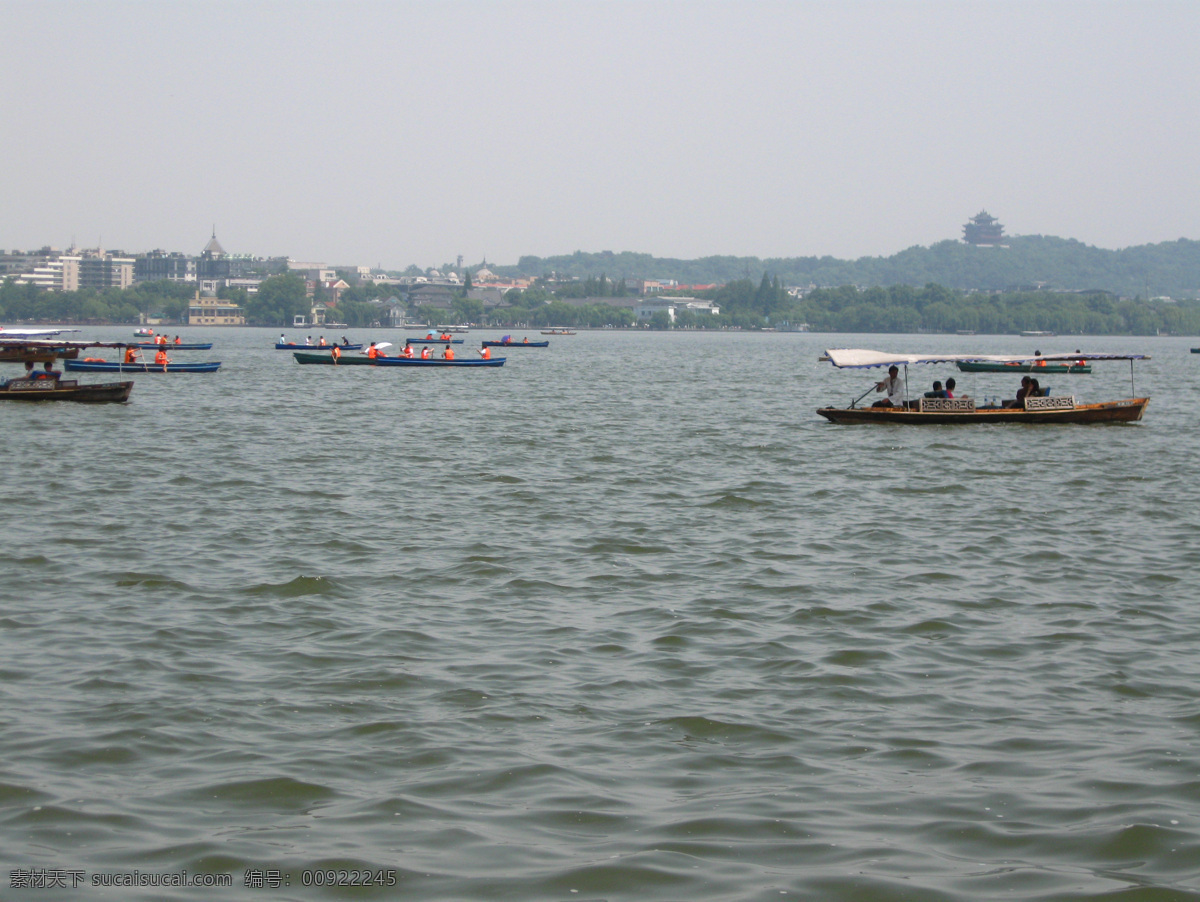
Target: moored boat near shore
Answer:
pixel 962 409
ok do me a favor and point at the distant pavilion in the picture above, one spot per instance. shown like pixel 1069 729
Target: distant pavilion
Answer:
pixel 983 229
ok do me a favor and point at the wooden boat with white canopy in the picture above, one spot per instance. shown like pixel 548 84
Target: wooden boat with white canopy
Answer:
pixel 48 385
pixel 1047 410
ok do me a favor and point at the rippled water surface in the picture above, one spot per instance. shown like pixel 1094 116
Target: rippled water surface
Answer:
pixel 621 620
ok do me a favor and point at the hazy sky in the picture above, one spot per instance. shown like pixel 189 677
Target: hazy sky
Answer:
pixel 395 132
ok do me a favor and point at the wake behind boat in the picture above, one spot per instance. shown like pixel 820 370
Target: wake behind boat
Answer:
pixel 943 410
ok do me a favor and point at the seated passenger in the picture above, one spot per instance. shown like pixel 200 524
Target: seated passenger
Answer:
pixel 950 383
pixel 1022 394
pixel 938 391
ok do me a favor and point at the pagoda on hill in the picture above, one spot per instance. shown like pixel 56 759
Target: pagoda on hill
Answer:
pixel 983 229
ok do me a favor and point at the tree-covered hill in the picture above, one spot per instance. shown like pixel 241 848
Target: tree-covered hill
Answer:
pixel 1169 269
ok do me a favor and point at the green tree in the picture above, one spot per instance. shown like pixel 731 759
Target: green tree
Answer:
pixel 278 301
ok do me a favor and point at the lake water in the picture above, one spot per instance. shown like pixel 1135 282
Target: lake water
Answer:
pixel 621 620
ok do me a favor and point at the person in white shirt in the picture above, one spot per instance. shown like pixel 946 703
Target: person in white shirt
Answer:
pixel 894 388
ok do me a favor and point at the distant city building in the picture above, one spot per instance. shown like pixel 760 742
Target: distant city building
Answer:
pixel 158 266
pixel 983 229
pixel 100 270
pixel 71 271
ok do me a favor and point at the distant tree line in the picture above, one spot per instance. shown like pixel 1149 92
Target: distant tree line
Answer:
pixel 1031 261
pixel 743 304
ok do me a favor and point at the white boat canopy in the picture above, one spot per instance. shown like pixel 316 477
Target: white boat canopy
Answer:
pixel 861 359
pixel 5 332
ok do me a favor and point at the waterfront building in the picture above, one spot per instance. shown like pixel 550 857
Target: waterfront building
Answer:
pixel 647 308
pixel 213 311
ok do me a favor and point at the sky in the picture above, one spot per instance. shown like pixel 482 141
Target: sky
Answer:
pixel 399 132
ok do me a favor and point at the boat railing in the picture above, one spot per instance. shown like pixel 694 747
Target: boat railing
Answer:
pixel 943 405
pixel 1062 402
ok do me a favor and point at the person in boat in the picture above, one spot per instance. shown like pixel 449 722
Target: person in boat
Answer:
pixel 29 373
pixel 336 354
pixel 950 383
pixel 526 340
pixel 408 350
pixel 321 341
pixel 938 391
pixel 178 340
pixel 485 352
pixel 448 354
pixel 160 356
pixel 308 341
pixel 430 334
pixel 345 340
pixel 893 387
pixel 1022 394
pixel 425 352
pixel 1035 389
pixel 132 354
pixel 1038 362
pixel 371 351
pixel 282 339
pixel 1080 361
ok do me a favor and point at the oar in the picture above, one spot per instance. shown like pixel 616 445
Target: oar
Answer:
pixel 863 395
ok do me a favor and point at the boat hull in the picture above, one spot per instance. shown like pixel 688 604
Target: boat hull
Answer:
pixel 173 347
pixel 65 390
pixel 92 366
pixel 327 360
pixel 516 344
pixel 1128 411
pixel 313 348
pixel 1049 368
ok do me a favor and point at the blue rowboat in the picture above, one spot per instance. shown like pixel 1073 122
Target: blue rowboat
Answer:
pixel 106 366
pixel 291 346
pixel 171 347
pixel 516 344
pixel 327 360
